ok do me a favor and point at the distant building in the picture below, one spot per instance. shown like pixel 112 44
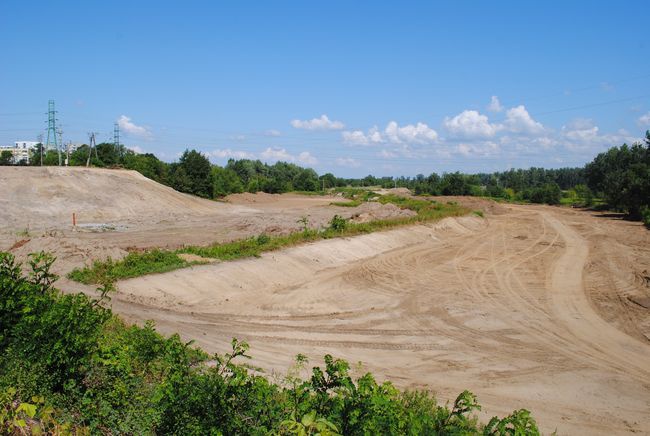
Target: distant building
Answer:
pixel 25 144
pixel 20 150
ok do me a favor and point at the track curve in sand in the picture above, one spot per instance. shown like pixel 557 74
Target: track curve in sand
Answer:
pixel 512 307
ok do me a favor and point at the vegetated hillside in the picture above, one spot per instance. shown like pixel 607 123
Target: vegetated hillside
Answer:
pixel 45 196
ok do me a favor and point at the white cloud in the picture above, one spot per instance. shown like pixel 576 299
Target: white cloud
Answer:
pixel 306 158
pixel 582 135
pixel 137 149
pixel 387 154
pixel 484 149
pixel 322 123
pixel 272 132
pixel 471 124
pixel 581 130
pixel 495 104
pixel 410 134
pixel 644 120
pixel 357 137
pixel 237 137
pixel 130 128
pixel 276 154
pixel 229 153
pixel 518 120
pixel 348 162
pixel 281 154
pixel 419 133
pixel 545 142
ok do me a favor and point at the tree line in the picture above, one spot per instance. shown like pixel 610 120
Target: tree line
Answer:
pixel 619 176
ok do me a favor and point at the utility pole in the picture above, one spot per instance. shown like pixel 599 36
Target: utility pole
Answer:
pixel 60 144
pixel 40 146
pixel 116 139
pixel 51 126
pixel 91 144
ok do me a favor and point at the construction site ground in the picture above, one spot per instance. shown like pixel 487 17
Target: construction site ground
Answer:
pixel 536 307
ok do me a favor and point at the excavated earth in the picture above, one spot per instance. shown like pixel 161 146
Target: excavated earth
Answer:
pixel 535 307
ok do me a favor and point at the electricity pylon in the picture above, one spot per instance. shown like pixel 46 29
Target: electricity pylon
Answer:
pixel 51 129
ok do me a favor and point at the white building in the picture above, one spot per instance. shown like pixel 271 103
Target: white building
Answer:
pixel 20 150
pixel 25 144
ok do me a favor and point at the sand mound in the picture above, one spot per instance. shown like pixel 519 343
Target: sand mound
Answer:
pixel 45 197
pixel 373 211
pixel 249 198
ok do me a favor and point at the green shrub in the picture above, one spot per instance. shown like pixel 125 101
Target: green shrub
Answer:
pixel 338 223
pixel 548 193
pixel 133 265
pixel 263 239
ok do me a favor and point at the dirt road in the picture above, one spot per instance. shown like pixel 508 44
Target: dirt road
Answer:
pixel 529 308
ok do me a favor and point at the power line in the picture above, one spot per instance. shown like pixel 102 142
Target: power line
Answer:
pixel 605 103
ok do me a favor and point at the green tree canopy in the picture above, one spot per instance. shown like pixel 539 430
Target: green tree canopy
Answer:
pixel 622 175
pixel 6 157
pixel 194 174
pixel 225 181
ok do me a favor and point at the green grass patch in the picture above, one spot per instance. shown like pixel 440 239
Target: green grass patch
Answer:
pixel 362 194
pixel 158 261
pixel 133 265
pixel 352 203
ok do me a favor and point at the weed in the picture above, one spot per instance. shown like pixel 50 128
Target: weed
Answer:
pixel 353 203
pixel 263 239
pixel 133 265
pixel 338 223
pixel 304 222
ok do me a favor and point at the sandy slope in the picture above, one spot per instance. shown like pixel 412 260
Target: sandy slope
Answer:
pixel 506 307
pixel 120 210
pixel 46 197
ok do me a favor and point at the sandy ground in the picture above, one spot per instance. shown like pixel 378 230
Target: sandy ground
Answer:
pixel 531 308
pixel 538 307
pixel 120 210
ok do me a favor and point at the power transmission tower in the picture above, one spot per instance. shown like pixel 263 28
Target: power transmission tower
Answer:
pixel 51 126
pixel 116 139
pixel 91 145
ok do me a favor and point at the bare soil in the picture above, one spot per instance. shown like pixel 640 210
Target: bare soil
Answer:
pixel 532 306
pixel 118 211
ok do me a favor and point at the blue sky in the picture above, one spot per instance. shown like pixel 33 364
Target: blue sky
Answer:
pixel 388 88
